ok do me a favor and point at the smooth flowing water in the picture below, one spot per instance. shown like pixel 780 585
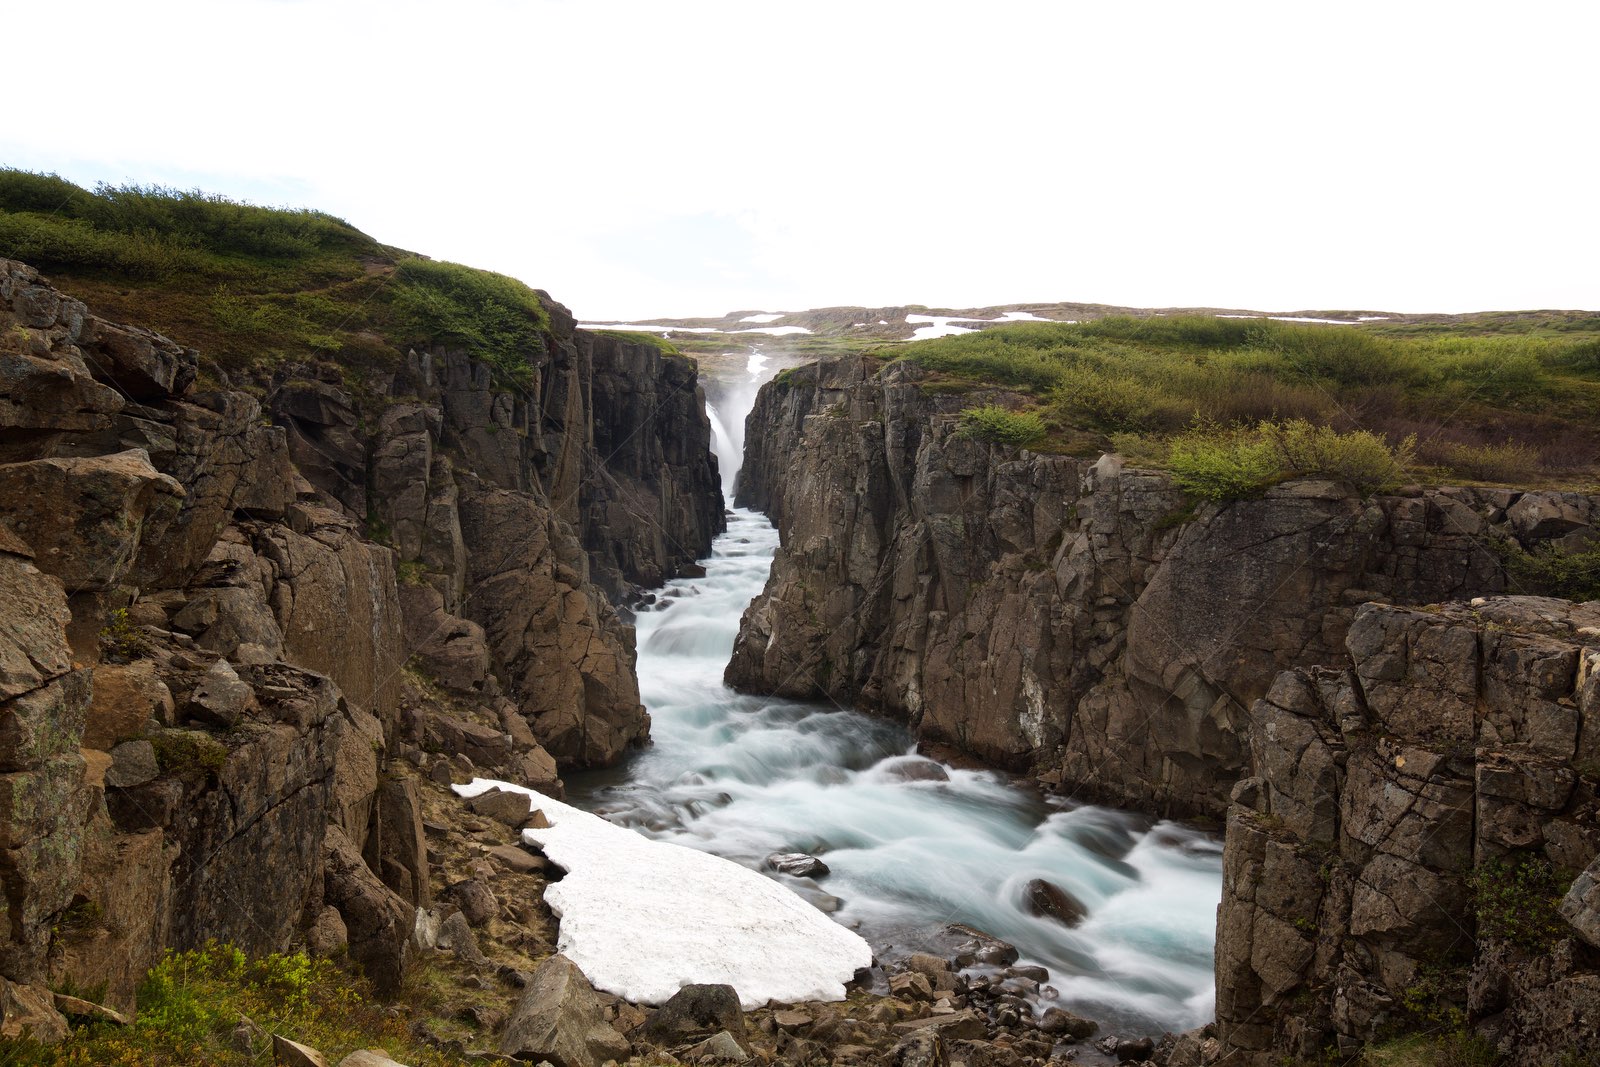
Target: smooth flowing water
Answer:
pixel 912 846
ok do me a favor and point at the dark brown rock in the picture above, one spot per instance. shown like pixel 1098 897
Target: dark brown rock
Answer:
pixel 1049 901
pixel 30 1012
pixel 86 518
pixel 1446 756
pixel 1048 613
pixel 695 1010
pixel 502 806
pixel 475 900
pixel 559 1019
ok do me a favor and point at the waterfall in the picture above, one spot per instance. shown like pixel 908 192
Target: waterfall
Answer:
pixel 727 421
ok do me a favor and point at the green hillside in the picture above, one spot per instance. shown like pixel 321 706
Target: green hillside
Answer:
pixel 251 286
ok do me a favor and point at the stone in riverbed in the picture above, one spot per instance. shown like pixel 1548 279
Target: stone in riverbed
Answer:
pixel 913 985
pixel 964 1025
pixel 518 860
pixel 790 1021
pixel 798 864
pixel 1131 1049
pixel 475 900
pixel 1059 1021
pixel 982 948
pixel 918 770
pixel 920 1049
pixel 1049 901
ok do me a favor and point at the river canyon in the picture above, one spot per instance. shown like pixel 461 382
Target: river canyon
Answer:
pixel 911 845
pixel 1237 768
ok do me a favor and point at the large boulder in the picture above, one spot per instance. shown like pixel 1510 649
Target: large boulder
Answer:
pixel 560 1019
pixel 697 1010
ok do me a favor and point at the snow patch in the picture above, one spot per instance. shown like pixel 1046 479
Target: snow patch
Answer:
pixel 643 918
pixel 937 326
pixel 774 317
pixel 944 325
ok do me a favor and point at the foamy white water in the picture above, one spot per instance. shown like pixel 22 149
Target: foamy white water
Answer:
pixel 743 777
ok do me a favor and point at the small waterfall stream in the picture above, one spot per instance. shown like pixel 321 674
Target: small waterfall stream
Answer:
pixel 912 846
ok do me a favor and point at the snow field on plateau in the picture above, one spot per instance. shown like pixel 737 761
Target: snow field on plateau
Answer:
pixel 644 918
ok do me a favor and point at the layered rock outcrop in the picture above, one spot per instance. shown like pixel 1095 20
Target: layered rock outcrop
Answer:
pixel 1394 860
pixel 1079 619
pixel 220 623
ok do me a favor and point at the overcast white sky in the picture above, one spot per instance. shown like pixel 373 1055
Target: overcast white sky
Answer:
pixel 682 158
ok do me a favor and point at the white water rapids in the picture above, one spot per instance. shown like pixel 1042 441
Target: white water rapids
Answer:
pixel 744 777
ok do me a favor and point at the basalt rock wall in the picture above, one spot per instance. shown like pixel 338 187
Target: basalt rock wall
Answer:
pixel 1079 619
pixel 1415 847
pixel 232 616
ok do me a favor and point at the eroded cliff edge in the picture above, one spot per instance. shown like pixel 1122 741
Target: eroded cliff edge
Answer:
pixel 232 615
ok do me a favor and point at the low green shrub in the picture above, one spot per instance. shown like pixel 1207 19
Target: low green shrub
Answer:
pixel 1517 899
pixel 1218 464
pixel 1359 457
pixel 1228 463
pixel 1116 403
pixel 639 337
pixel 190 1003
pixel 1507 462
pixel 999 425
pixel 1551 571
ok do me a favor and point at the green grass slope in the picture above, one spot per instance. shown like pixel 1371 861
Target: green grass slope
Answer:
pixel 251 286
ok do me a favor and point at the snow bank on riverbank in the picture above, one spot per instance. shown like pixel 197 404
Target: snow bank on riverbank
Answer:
pixel 642 918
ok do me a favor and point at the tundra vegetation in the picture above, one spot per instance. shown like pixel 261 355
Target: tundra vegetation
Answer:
pixel 193 1006
pixel 250 286
pixel 1233 404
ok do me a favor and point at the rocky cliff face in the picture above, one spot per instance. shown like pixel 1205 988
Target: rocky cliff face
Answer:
pixel 209 670
pixel 1078 619
pixel 1393 862
pixel 1410 788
